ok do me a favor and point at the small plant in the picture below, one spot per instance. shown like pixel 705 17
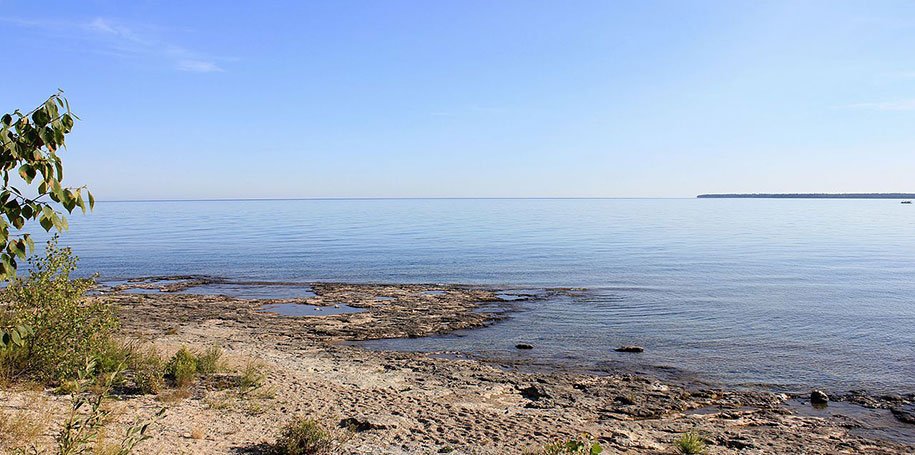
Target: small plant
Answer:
pixel 82 428
pixel 583 445
pixel 690 443
pixel 85 423
pixel 148 370
pixel 210 362
pixel 307 436
pixel 252 377
pixel 182 368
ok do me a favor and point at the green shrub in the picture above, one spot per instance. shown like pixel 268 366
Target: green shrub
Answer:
pixel 583 445
pixel 66 328
pixel 112 356
pixel 148 370
pixel 307 436
pixel 182 367
pixel 252 377
pixel 690 443
pixel 210 362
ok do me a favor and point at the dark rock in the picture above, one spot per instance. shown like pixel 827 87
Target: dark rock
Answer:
pixel 630 348
pixel 524 346
pixel 905 414
pixel 819 397
pixel 534 392
pixel 361 423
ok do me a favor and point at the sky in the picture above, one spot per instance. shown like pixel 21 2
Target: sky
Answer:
pixel 288 99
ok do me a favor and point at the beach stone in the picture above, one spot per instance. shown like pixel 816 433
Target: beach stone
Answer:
pixel 905 414
pixel 524 346
pixel 630 348
pixel 534 392
pixel 361 423
pixel 819 397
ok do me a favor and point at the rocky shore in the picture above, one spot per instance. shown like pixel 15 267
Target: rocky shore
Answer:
pixel 419 403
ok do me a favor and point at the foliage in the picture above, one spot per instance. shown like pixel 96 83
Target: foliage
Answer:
pixel 29 147
pixel 690 443
pixel 148 370
pixel 210 361
pixel 65 328
pixel 307 436
pixel 583 445
pixel 182 367
pixel 88 417
pixel 14 337
pixel 252 377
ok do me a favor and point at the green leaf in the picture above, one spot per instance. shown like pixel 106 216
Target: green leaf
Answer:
pixel 27 172
pixel 46 223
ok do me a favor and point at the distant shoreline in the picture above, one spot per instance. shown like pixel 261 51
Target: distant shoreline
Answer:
pixel 809 196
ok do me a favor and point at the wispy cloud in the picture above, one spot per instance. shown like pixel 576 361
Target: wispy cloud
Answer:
pixel 899 105
pixel 127 41
pixel 198 66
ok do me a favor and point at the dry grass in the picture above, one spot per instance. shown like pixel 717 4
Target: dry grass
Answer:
pixel 21 428
pixel 174 395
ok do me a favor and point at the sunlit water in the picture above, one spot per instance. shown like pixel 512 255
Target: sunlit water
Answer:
pixel 791 293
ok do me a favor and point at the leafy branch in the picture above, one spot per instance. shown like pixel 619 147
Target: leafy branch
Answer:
pixel 29 147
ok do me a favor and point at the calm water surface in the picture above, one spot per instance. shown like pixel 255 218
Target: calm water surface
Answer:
pixel 790 293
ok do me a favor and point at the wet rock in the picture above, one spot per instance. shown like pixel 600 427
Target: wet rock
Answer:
pixel 361 423
pixel 905 414
pixel 630 348
pixel 524 346
pixel 819 397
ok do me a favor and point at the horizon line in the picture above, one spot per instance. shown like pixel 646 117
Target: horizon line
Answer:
pixel 391 198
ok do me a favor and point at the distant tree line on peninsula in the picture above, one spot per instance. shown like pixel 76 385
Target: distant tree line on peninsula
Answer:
pixel 811 195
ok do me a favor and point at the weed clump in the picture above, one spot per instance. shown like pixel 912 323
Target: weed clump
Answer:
pixel 182 368
pixel 583 445
pixel 307 436
pixel 148 370
pixel 690 443
pixel 210 362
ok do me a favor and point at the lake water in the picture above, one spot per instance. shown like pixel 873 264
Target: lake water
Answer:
pixel 788 293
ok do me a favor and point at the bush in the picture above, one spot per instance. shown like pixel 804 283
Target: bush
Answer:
pixel 148 370
pixel 182 367
pixel 210 361
pixel 690 443
pixel 66 328
pixel 307 436
pixel 583 445
pixel 252 377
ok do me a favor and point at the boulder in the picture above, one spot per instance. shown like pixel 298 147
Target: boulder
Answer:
pixel 630 348
pixel 524 346
pixel 534 392
pixel 819 397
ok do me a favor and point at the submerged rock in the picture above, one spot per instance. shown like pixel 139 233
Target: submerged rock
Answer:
pixel 630 348
pixel 905 414
pixel 524 346
pixel 819 397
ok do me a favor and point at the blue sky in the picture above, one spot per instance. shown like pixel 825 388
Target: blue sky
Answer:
pixel 472 98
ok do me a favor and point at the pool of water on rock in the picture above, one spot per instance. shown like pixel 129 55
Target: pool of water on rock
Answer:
pixel 301 309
